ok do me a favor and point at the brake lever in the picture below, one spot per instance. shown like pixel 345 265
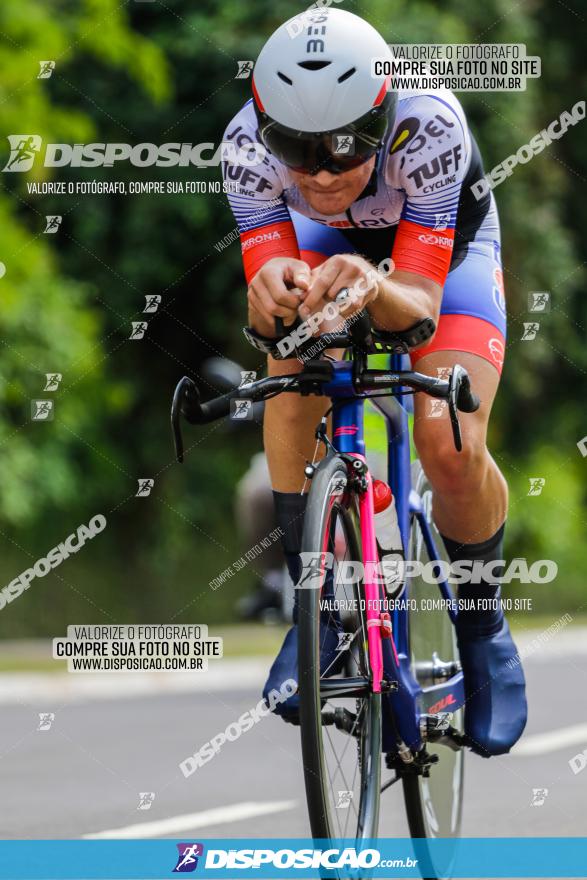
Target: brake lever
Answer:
pixel 457 376
pixel 186 402
pixel 455 424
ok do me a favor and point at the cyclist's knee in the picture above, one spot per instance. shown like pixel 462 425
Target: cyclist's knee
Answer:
pixel 449 471
pixel 292 412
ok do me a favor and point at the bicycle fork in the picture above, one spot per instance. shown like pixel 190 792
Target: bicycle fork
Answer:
pixel 378 622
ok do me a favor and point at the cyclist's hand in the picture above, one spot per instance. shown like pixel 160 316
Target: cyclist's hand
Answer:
pixel 343 270
pixel 275 291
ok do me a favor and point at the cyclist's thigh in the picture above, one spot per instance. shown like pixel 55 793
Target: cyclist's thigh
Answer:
pixel 431 418
pixel 471 329
pixel 472 313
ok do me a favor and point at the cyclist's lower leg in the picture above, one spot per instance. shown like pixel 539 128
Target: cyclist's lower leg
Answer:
pixel 289 425
pixel 470 506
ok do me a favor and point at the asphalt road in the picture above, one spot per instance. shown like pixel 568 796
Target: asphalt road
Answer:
pixel 83 776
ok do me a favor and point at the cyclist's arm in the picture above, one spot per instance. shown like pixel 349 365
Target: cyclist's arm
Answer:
pixel 271 257
pixel 431 176
pixel 403 299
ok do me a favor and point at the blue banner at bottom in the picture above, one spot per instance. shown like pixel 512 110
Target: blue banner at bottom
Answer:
pixel 554 857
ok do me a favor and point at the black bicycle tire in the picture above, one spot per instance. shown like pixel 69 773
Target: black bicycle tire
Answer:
pixel 315 776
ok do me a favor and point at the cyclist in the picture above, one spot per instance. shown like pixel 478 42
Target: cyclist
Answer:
pixel 312 221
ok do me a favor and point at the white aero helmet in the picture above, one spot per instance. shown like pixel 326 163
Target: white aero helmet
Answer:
pixel 313 84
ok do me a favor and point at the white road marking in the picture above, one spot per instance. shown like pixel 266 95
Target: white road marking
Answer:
pixel 191 821
pixel 553 741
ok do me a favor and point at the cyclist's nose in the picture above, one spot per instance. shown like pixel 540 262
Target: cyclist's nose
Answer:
pixel 324 178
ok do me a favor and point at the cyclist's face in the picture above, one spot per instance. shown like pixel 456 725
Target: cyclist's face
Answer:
pixel 333 193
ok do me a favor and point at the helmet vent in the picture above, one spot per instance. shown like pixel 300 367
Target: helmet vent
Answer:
pixel 313 65
pixel 285 78
pixel 346 75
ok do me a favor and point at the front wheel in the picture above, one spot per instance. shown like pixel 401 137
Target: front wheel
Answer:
pixel 341 736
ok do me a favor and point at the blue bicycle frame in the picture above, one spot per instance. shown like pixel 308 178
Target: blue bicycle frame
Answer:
pixel 409 700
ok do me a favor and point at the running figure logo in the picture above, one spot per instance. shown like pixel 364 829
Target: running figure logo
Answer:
pixel 539 301
pixel 42 410
pixel 188 857
pixel 245 69
pixel 345 640
pixel 23 149
pixel 537 484
pixel 152 302
pixel 436 408
pixel 313 567
pixel 441 222
pixel 52 381
pixel 241 409
pixel 530 331
pixel 139 329
pixel 343 144
pixel 47 68
pixel 46 719
pixel 146 799
pixel 53 222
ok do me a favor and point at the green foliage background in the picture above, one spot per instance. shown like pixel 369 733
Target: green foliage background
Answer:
pixel 159 72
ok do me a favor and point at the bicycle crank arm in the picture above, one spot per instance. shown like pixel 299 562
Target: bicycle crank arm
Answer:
pixel 437 729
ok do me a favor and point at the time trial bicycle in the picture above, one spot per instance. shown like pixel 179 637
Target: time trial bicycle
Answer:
pixel 401 670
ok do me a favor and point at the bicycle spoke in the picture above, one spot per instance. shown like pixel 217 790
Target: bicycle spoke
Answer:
pixel 339 770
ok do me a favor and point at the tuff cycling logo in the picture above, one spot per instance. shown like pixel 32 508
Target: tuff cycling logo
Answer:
pixel 187 859
pixel 24 149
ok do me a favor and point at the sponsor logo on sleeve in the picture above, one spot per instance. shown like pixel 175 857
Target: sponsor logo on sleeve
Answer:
pixel 446 163
pixel 263 238
pixel 442 241
pixel 404 133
